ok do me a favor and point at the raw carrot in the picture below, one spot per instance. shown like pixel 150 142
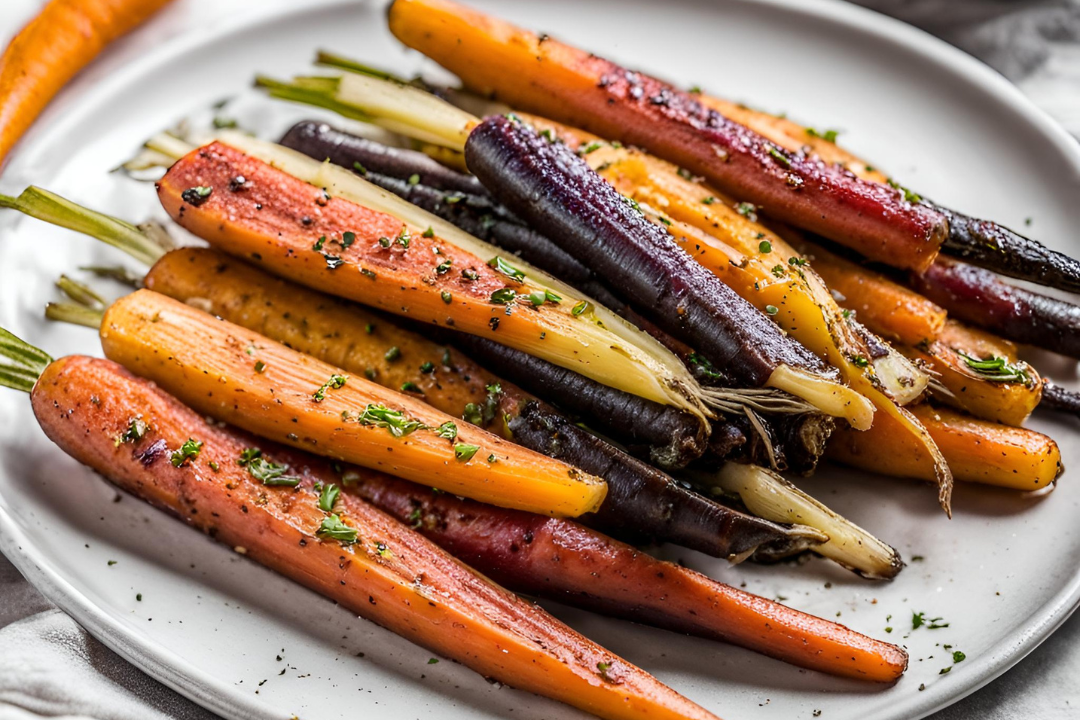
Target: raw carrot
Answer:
pixel 241 377
pixel 150 445
pixel 64 37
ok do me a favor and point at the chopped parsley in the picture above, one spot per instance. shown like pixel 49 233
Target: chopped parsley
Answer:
pixel 996 369
pixel 464 452
pixel 771 310
pixel 919 620
pixel 591 147
pixel 506 268
pixel 188 451
pixel 247 455
pixel 410 386
pixel 429 233
pixel 385 241
pixel 332 527
pixel 318 246
pixel 704 366
pixel 747 210
pixel 764 246
pixel 859 361
pixel 404 238
pixel 383 550
pixel 958 657
pixel 447 430
pixel 908 194
pixel 492 458
pixel 443 268
pixel 347 239
pixel 136 430
pixel 271 473
pixel 826 135
pixel 778 270
pixel 414 179
pixel 447 297
pixel 392 354
pixel 359 168
pixel 503 296
pixel 328 497
pixel 260 366
pixel 334 383
pixel 427 367
pixel 579 308
pixel 393 420
pixel 708 201
pixel 779 156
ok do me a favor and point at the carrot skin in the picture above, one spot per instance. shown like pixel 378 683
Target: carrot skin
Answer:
pixel 64 37
pixel 212 365
pixel 977 451
pixel 980 297
pixel 557 193
pixel 883 305
pixel 85 404
pixel 563 561
pixel 542 75
pixel 355 339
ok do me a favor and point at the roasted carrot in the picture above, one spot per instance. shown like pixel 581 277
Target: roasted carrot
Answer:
pixel 64 37
pixel 233 373
pixel 884 306
pixel 792 136
pixel 980 297
pixel 555 191
pixel 148 444
pixel 432 273
pixel 496 59
pixel 642 503
pixel 979 242
pixel 981 374
pixel 563 561
pixel 977 451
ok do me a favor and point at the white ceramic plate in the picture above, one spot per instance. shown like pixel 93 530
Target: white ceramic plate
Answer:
pixel 246 643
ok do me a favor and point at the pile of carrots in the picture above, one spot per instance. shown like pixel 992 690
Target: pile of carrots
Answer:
pixel 533 338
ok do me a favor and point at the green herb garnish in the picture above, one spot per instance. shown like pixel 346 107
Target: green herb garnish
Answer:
pixel 764 246
pixel 332 527
pixel 328 497
pixel 393 420
pixel 506 268
pixel 136 430
pixel 503 296
pixel 465 452
pixel 827 135
pixel 188 451
pixel 996 369
pixel 447 430
pixel 334 383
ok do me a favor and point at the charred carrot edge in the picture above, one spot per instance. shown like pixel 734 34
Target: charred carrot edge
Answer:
pixel 563 561
pixel 264 387
pixel 496 59
pixel 642 502
pixel 978 451
pixel 150 445
pixel 64 37
pixel 981 374
pixel 886 307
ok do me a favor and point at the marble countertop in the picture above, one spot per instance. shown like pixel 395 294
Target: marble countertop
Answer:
pixel 49 666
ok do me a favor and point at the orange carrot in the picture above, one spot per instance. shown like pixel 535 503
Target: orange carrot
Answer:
pixel 885 307
pixel 977 451
pixel 64 37
pixel 341 547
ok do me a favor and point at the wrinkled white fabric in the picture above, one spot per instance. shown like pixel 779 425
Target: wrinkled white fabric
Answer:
pixel 50 667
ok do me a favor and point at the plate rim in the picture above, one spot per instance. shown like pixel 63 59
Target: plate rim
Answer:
pixel 162 664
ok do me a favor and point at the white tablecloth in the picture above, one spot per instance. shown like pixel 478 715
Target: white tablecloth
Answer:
pixel 50 667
